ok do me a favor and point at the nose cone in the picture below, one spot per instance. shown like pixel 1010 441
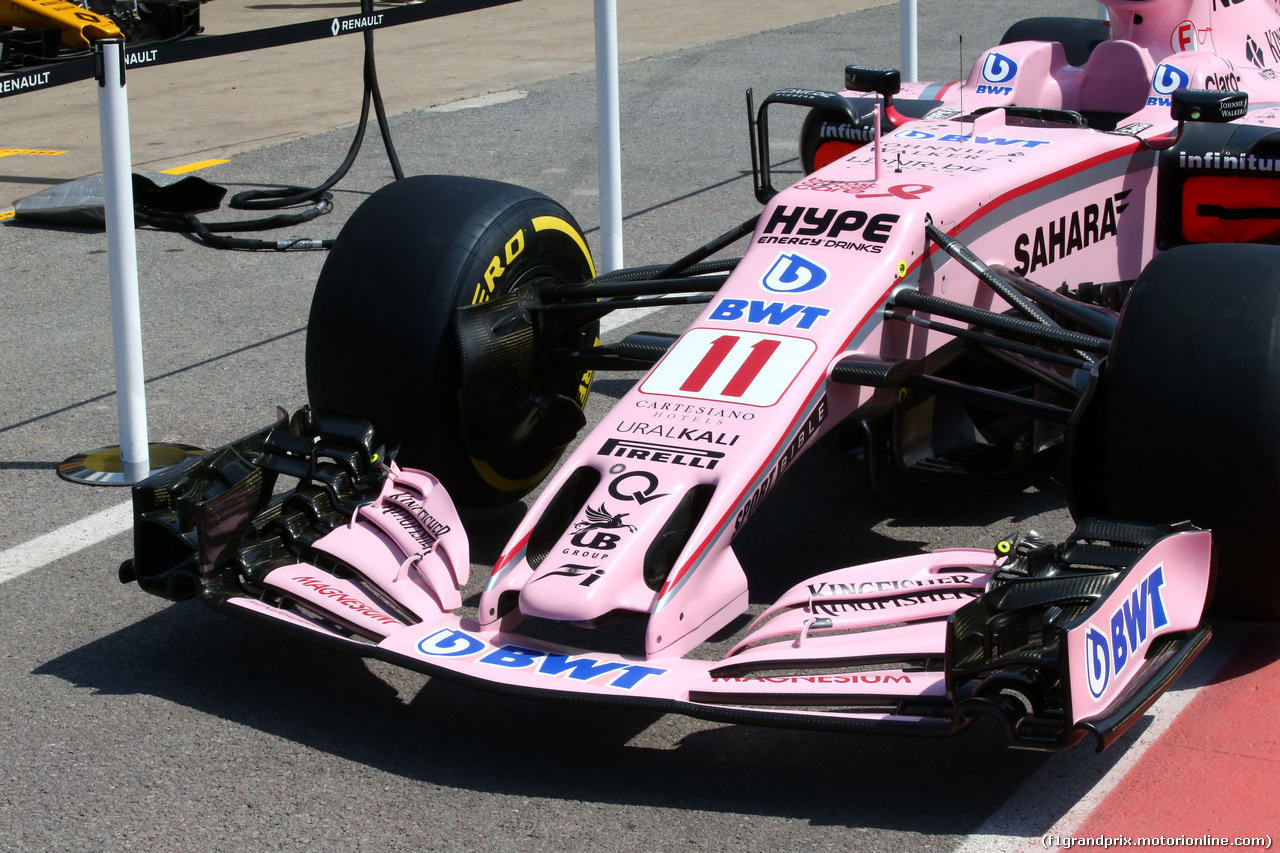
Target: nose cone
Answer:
pixel 583 591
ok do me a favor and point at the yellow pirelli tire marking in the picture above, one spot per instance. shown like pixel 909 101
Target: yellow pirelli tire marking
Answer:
pixel 486 472
pixel 498 481
pixel 555 223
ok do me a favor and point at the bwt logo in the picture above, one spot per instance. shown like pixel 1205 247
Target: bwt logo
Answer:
pixel 793 274
pixel 1169 79
pixel 998 68
pixel 1131 625
pixel 450 642
pixel 972 140
pixel 757 311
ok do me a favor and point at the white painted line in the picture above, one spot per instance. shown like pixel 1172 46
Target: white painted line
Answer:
pixel 618 319
pixel 480 101
pixel 65 541
pixel 1042 804
pixel 78 535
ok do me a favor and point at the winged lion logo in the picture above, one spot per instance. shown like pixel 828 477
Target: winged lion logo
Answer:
pixel 602 519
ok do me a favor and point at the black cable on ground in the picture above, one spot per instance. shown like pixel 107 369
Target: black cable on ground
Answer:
pixel 371 85
pixel 276 199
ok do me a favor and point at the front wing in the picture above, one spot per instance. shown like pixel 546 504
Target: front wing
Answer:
pixel 371 559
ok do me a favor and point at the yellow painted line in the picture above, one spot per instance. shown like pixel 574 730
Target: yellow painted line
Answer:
pixel 191 167
pixel 5 152
pixel 6 214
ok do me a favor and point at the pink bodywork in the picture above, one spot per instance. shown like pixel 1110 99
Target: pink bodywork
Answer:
pixel 747 388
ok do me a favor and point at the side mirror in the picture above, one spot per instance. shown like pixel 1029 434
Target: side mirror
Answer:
pixel 1208 105
pixel 882 81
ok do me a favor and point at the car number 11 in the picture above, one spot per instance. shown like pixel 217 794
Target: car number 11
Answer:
pixel 731 366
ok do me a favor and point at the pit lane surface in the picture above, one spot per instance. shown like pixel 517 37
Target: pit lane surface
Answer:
pixel 126 722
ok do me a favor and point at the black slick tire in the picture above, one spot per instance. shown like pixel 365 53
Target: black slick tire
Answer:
pixel 1184 419
pixel 382 340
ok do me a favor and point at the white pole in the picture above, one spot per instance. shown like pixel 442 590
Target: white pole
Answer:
pixel 610 135
pixel 122 259
pixel 909 32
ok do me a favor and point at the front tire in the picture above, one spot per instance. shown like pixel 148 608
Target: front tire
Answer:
pixel 1184 420
pixel 382 341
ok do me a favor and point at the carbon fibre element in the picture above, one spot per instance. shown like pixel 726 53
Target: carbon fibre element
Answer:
pixel 1006 651
pixel 502 402
pixel 645 346
pixel 200 525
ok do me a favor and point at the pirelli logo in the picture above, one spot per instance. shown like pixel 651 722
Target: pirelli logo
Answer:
pixel 692 457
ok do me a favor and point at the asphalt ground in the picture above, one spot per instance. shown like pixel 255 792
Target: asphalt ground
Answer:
pixel 130 723
pixel 218 107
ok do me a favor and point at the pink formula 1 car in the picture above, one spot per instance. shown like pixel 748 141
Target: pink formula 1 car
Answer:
pixel 1074 246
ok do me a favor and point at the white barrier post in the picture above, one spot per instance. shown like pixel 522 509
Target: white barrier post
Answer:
pixel 122 259
pixel 909 34
pixel 610 135
pixel 131 461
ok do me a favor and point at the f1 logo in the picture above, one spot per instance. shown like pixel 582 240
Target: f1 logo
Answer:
pixel 1184 37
